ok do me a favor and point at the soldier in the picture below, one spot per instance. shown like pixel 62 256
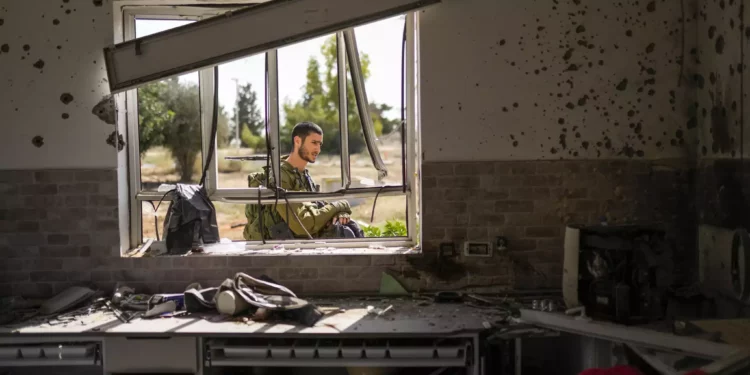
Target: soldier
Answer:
pixel 318 219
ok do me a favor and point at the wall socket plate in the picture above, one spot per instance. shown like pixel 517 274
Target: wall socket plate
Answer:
pixel 501 243
pixel 448 249
pixel 478 249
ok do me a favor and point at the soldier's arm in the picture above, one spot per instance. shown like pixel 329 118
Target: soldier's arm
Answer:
pixel 310 217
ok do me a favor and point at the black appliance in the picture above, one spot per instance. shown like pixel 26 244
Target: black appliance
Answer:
pixel 623 272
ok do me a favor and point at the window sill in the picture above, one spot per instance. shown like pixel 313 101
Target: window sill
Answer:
pixel 241 248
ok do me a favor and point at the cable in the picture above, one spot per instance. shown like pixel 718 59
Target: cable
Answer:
pixel 403 110
pixel 372 216
pixel 260 218
pixel 156 219
pixel 156 209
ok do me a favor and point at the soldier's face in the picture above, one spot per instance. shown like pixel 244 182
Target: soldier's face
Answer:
pixel 310 147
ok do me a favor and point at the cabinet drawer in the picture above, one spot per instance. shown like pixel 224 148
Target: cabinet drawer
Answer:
pixel 167 355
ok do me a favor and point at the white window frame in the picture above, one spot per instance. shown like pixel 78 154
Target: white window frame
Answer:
pixel 160 9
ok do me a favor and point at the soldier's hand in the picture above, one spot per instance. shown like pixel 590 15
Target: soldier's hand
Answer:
pixel 342 206
pixel 342 218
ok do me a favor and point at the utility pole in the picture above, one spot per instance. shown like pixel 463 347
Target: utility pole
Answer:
pixel 237 113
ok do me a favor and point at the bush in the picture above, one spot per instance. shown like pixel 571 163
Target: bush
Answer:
pixel 392 228
pixel 251 140
pixel 371 231
pixel 229 166
pixel 395 228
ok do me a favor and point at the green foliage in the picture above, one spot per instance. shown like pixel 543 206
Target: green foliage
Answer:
pixel 395 228
pixel 153 115
pixel 251 140
pixel 320 104
pixel 392 228
pixel 222 129
pixel 371 231
pixel 169 115
pixel 388 125
pixel 181 136
pixel 249 117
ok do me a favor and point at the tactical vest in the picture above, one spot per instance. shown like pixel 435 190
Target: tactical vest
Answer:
pixel 300 181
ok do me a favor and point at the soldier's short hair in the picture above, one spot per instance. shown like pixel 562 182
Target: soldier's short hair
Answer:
pixel 303 129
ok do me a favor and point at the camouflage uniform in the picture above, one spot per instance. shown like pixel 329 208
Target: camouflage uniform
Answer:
pixel 280 223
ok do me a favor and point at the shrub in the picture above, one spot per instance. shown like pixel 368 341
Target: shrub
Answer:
pixel 251 140
pixel 229 166
pixel 371 231
pixel 392 228
pixel 395 228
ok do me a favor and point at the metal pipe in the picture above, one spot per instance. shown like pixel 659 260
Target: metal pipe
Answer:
pixel 363 105
pixel 346 178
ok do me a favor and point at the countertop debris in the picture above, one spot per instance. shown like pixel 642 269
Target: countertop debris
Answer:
pixel 348 315
pixel 82 309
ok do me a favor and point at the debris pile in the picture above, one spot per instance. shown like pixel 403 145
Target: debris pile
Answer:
pixel 259 299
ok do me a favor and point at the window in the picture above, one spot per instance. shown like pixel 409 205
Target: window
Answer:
pixel 261 97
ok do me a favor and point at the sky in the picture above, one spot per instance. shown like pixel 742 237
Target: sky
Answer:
pixel 380 40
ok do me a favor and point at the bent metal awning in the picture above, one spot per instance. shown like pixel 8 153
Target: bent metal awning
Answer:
pixel 239 33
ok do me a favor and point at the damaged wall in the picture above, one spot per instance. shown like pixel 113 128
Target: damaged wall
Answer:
pixel 570 79
pixel 723 189
pixel 518 83
pixel 540 114
pixel 52 76
pixel 719 78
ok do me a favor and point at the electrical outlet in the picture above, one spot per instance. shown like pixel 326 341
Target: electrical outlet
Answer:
pixel 448 249
pixel 501 243
pixel 478 249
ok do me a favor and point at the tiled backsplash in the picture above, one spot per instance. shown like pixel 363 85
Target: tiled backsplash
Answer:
pixel 59 228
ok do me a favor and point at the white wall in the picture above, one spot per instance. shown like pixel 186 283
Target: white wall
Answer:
pixel 30 102
pixel 480 56
pixel 468 77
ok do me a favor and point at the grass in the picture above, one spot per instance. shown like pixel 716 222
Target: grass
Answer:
pixel 158 167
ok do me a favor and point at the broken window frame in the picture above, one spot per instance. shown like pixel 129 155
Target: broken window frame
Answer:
pixel 250 195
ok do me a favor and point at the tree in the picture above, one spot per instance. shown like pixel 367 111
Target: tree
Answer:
pixel 222 128
pixel 153 115
pixel 248 114
pixel 320 104
pixel 389 125
pixel 169 115
pixel 180 136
